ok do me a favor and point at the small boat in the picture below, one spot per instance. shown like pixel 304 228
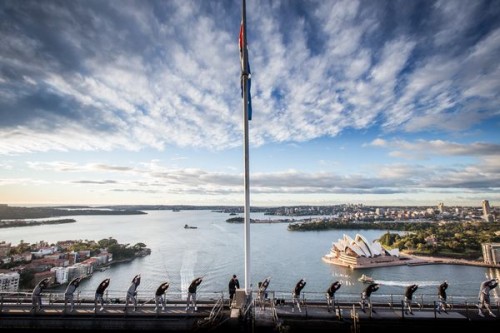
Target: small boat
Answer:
pixel 189 227
pixel 366 279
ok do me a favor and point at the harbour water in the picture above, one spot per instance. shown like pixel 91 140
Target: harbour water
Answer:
pixel 215 250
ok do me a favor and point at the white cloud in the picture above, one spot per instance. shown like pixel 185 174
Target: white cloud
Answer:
pixel 440 147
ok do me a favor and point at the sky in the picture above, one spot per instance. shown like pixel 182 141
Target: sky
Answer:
pixel 375 102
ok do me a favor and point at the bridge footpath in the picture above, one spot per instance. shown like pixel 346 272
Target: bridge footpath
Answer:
pixel 215 315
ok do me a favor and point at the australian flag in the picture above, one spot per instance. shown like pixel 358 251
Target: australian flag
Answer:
pixel 245 67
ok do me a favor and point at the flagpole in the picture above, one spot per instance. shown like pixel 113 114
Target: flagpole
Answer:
pixel 244 78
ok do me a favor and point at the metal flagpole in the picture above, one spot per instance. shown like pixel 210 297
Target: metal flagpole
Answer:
pixel 244 78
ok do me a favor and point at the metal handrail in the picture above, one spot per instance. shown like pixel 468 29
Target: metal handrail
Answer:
pixel 113 296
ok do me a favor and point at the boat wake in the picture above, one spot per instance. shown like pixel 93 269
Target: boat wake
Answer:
pixel 346 282
pixel 407 283
pixel 218 227
pixel 187 269
pixel 341 275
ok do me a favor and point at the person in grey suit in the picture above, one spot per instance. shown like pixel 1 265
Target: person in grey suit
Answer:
pixel 69 293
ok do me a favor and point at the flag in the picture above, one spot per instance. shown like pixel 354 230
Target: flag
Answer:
pixel 245 68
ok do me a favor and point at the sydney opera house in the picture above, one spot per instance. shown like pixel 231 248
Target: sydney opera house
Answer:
pixel 360 253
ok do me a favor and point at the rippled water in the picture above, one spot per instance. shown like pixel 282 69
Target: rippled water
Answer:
pixel 216 250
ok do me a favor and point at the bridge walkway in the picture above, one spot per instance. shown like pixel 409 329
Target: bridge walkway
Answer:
pixel 216 315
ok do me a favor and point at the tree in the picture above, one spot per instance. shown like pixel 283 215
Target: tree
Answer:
pixel 107 242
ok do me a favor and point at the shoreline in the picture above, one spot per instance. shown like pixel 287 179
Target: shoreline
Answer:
pixel 31 223
pixel 429 260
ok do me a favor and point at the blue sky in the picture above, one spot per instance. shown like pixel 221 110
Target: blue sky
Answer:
pixel 138 102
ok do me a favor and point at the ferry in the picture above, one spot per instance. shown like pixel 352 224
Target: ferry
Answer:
pixel 366 279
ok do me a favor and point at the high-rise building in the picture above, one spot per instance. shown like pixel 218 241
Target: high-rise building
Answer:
pixel 487 215
pixel 486 208
pixel 441 207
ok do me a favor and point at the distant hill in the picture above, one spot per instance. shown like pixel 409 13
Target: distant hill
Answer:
pixel 12 213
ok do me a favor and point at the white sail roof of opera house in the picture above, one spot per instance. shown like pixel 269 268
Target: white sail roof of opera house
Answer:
pixel 362 247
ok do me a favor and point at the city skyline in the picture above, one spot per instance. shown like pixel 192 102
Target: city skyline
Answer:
pixel 138 102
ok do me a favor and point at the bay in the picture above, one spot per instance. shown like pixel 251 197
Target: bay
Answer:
pixel 215 250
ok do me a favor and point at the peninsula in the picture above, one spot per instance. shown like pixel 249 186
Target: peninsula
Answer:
pixel 76 258
pixel 16 213
pixel 25 223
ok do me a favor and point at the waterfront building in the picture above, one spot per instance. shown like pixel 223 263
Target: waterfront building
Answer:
pixel 9 281
pixel 79 270
pixel 61 274
pixel 94 262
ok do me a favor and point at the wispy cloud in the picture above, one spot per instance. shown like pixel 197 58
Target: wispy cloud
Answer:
pixel 152 74
pixel 392 178
pixel 437 147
